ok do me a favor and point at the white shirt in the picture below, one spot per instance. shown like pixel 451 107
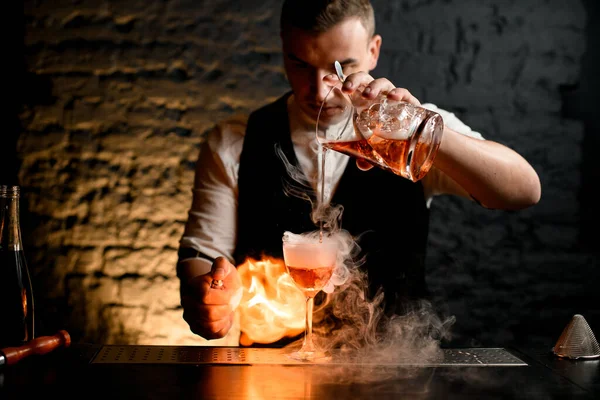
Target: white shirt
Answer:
pixel 211 227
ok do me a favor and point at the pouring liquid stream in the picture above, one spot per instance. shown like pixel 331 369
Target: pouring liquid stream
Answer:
pixel 323 151
pixel 321 182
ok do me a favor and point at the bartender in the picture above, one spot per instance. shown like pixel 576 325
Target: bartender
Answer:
pixel 239 207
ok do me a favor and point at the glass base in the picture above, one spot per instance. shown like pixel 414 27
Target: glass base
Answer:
pixel 310 356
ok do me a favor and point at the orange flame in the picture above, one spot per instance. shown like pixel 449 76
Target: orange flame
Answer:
pixel 272 306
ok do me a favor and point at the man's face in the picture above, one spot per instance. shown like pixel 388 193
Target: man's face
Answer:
pixel 308 57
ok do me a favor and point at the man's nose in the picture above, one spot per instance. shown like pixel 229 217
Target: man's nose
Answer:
pixel 321 89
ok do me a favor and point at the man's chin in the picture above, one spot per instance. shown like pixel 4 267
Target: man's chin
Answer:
pixel 310 112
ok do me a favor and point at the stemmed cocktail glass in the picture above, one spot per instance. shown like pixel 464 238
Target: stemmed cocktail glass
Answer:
pixel 310 262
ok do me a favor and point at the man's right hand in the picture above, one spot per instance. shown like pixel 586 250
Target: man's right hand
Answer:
pixel 209 310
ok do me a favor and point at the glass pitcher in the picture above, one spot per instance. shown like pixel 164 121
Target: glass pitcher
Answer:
pixel 393 135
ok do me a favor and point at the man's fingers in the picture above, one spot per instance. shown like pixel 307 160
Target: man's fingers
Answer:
pixel 199 291
pixel 377 87
pixel 355 81
pixel 332 80
pixel 204 312
pixel 366 85
pixel 370 88
pixel 211 330
pixel 221 268
pixel 401 94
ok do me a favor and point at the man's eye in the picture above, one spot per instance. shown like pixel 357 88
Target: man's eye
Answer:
pixel 348 69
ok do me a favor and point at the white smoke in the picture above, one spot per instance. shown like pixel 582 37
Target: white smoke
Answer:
pixel 351 321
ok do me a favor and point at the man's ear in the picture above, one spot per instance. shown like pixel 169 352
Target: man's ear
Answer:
pixel 374 47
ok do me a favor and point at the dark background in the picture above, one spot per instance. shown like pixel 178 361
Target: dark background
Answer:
pixel 89 84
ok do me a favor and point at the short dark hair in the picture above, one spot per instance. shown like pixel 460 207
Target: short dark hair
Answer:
pixel 321 15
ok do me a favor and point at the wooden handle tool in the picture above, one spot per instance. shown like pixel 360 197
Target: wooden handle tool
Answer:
pixel 40 345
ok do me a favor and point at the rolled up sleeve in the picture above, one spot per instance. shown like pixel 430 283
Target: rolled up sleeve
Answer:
pixel 436 182
pixel 211 227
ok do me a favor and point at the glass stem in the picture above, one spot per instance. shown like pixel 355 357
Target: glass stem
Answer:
pixel 308 341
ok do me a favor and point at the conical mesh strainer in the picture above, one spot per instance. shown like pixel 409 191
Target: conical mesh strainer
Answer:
pixel 577 340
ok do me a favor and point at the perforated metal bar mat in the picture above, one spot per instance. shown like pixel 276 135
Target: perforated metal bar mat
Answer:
pixel 195 355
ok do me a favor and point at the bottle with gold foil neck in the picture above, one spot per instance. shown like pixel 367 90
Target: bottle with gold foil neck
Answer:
pixel 16 296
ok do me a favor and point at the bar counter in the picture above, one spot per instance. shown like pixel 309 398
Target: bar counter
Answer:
pixel 84 371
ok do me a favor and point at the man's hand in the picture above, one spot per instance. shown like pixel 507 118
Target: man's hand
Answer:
pixel 369 88
pixel 209 309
